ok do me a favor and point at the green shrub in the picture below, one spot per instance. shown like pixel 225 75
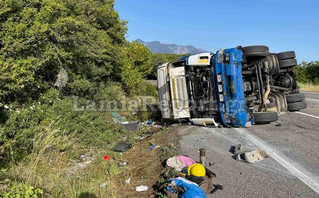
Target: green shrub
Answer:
pixel 146 89
pixel 24 190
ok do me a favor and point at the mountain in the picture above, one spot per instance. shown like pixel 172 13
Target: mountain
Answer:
pixel 156 47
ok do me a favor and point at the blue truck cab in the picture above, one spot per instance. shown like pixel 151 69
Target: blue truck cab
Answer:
pixel 227 67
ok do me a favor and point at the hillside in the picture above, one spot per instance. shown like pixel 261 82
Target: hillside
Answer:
pixel 156 47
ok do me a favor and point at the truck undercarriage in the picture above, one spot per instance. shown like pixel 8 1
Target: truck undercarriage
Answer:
pixel 233 86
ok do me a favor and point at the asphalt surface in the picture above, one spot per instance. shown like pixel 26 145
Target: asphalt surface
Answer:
pixel 292 143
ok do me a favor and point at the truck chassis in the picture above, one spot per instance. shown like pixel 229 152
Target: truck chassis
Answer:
pixel 234 86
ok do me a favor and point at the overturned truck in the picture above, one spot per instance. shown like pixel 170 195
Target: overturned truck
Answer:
pixel 235 87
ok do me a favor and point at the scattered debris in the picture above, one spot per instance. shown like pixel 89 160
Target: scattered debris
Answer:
pixel 217 187
pixel 106 158
pixel 149 122
pixel 141 188
pixel 278 125
pixel 204 122
pixel 122 163
pixel 104 185
pixel 117 117
pixel 122 146
pixel 252 156
pixel 202 156
pixel 179 162
pixel 236 149
pixel 128 126
pixel 128 181
pixel 191 189
pixel 152 147
pixel 211 164
pixel 131 126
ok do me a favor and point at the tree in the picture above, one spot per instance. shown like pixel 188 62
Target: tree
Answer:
pixel 40 38
pixel 137 65
pixel 308 72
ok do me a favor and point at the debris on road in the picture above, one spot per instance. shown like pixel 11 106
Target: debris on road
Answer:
pixel 122 146
pixel 252 156
pixel 236 149
pixel 204 122
pixel 187 177
pixel 191 189
pixel 217 187
pixel 179 162
pixel 141 188
pixel 202 156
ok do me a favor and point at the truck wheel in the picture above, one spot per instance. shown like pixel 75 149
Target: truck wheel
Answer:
pixel 295 97
pixel 286 55
pixel 296 106
pixel 265 117
pixel 256 51
pixel 287 63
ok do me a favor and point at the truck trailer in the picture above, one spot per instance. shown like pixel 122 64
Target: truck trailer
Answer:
pixel 234 87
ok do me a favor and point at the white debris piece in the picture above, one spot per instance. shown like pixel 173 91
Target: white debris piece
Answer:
pixel 141 188
pixel 103 185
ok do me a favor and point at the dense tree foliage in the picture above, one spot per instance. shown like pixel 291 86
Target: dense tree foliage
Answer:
pixel 159 59
pixel 137 65
pixel 308 72
pixel 40 37
pixel 51 50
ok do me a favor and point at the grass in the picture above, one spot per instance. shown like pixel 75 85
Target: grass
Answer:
pixel 59 175
pixel 308 87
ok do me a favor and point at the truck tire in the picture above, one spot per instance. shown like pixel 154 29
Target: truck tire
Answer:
pixel 286 55
pixel 295 97
pixel 296 106
pixel 287 63
pixel 256 51
pixel 265 117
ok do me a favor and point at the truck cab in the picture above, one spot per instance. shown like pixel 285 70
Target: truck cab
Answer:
pixel 233 86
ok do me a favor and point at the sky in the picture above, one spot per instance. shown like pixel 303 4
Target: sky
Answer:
pixel 282 25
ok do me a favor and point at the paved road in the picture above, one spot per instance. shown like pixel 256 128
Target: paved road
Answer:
pixel 292 143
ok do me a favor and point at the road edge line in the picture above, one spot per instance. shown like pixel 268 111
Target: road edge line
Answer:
pixel 306 114
pixel 301 174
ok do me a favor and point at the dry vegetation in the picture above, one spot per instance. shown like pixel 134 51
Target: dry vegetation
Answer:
pixel 308 87
pixel 59 176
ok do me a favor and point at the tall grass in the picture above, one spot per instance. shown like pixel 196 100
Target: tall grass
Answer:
pixel 308 87
pixel 57 175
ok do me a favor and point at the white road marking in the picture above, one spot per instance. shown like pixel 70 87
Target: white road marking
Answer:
pixel 306 114
pixel 305 176
pixel 309 92
pixel 311 99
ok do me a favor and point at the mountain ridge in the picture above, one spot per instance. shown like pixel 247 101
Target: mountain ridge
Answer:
pixel 157 47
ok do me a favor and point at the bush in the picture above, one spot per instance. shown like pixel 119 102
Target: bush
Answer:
pixel 83 128
pixel 146 89
pixel 24 190
pixel 308 72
